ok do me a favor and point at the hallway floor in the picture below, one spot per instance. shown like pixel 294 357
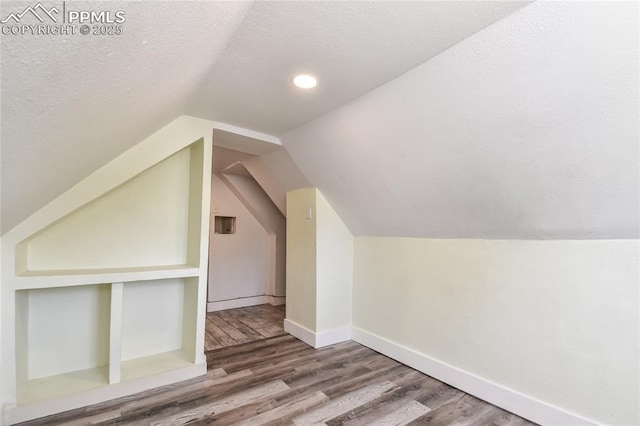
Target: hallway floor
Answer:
pixel 242 325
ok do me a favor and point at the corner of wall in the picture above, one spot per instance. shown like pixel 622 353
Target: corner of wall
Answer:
pixel 319 270
pixel 301 258
pixel 334 268
pixel 317 339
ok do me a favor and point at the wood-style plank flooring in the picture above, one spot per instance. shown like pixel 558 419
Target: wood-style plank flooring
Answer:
pixel 282 381
pixel 242 325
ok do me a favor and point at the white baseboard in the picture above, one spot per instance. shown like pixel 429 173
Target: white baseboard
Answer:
pixel 513 401
pixel 333 336
pixel 236 303
pixel 320 339
pixel 300 332
pixel 277 300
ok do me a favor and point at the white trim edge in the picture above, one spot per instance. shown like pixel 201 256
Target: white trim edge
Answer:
pixel 236 303
pixel 333 336
pixel 300 332
pixel 277 300
pixel 508 399
pixel 320 339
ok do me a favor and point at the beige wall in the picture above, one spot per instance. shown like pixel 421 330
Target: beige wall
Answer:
pixel 554 320
pixel 154 226
pixel 319 267
pixel 301 258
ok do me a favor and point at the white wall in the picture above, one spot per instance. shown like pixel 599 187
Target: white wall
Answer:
pixel 334 268
pixel 556 321
pixel 319 270
pixel 266 212
pixel 528 129
pixel 277 174
pixel 238 262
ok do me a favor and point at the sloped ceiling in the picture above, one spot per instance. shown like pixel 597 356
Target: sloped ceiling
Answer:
pixel 72 103
pixel 527 128
pixel 351 47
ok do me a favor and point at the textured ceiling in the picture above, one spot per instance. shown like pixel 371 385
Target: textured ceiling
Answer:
pixel 436 119
pixel 528 129
pixel 72 103
pixel 351 47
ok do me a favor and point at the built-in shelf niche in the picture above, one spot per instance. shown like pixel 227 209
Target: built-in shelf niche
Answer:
pixel 150 221
pixel 80 338
pixel 160 342
pixel 62 341
pixel 127 238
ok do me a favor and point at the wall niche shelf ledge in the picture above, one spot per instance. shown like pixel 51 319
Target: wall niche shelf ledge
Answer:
pixel 65 278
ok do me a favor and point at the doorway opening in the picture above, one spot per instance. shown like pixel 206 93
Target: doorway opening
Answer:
pixel 247 253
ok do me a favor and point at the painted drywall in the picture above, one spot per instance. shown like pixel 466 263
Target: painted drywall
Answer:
pixel 239 264
pixel 319 270
pixel 144 334
pixel 272 220
pixel 277 174
pixel 268 182
pixel 301 258
pixel 526 130
pixel 334 268
pixel 553 320
pixel 148 215
pixel 67 330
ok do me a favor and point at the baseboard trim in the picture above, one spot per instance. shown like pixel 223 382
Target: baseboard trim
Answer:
pixel 320 339
pixel 277 300
pixel 236 303
pixel 333 336
pixel 300 332
pixel 508 399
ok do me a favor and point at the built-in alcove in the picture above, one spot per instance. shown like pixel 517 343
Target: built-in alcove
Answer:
pixel 225 225
pixel 79 338
pixel 62 341
pixel 147 222
pixel 109 297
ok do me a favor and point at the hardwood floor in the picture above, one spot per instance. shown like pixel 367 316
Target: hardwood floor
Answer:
pixel 282 381
pixel 236 326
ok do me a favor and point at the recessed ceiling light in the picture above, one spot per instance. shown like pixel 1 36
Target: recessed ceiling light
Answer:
pixel 305 81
